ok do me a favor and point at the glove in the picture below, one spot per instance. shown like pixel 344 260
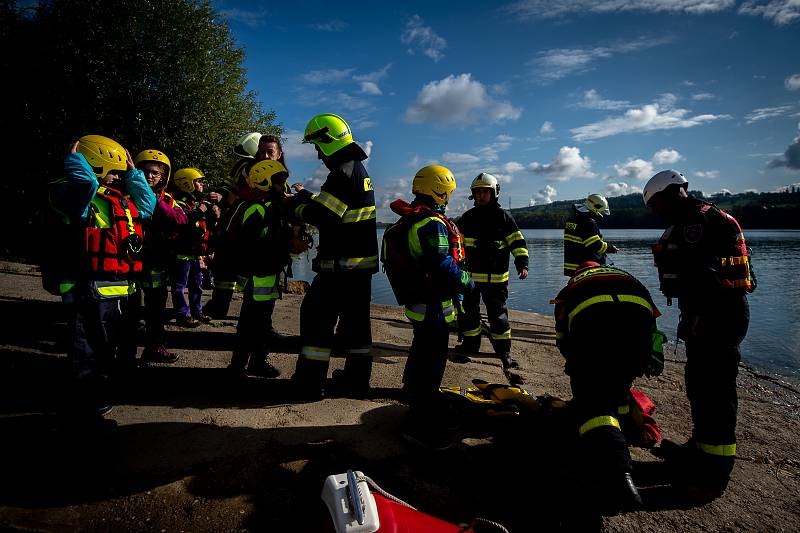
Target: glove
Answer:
pixel 655 364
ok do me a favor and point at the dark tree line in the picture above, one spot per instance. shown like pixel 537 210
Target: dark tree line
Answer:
pixel 163 74
pixel 777 210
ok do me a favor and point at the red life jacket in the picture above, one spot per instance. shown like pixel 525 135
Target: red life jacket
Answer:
pixel 192 238
pixel 114 246
pixel 407 280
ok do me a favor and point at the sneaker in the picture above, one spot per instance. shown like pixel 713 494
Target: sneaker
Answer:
pixel 202 317
pixel 187 322
pixel 263 368
pixel 159 354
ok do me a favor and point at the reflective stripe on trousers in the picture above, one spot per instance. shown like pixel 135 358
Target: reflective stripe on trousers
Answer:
pixel 315 353
pixel 417 312
pixel 597 422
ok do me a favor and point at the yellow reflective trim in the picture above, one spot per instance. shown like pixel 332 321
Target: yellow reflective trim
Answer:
pixel 516 236
pixel 358 262
pixel 316 353
pixel 472 332
pixel 519 252
pixel 635 300
pixel 586 303
pixel 570 266
pixel 416 312
pixel 623 409
pixel 65 287
pixel 113 291
pixel 331 202
pixel 358 215
pixel 479 278
pixel 225 285
pixel 722 450
pixel 589 240
pixel 482 277
pixel 572 238
pixel 470 241
pixel 597 422
pixel 501 336
pixel 299 211
pixel 603 247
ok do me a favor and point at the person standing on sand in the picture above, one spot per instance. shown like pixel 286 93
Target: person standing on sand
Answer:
pixel 347 257
pixel 490 235
pixel 423 256
pixel 702 260
pixel 100 201
pixel 582 238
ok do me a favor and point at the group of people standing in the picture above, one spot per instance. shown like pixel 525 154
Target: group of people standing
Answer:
pixel 123 228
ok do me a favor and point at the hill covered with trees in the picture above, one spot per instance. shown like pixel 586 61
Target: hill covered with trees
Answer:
pixel 771 210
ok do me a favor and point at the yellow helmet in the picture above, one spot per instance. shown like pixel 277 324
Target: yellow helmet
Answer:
pixel 247 145
pixel 155 156
pixel 185 178
pixel 103 154
pixel 329 132
pixel 435 181
pixel 264 173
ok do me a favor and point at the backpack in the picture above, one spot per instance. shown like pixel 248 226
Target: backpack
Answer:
pixel 399 266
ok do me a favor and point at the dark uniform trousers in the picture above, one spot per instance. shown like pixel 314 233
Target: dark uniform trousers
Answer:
pixel 712 364
pixel 251 343
pixel 154 314
pixel 343 297
pixel 426 364
pixel 495 296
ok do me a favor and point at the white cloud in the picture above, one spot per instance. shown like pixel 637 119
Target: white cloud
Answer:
pixel 547 127
pixel 557 63
pixel 593 100
pixel 702 96
pixel 542 9
pixel 544 196
pixel 458 99
pixel 567 164
pixel 332 75
pixel 504 138
pixel 294 148
pixel 637 169
pixel 620 188
pixel 788 188
pixel 649 117
pixel 512 167
pixel 666 156
pixel 780 12
pixel 459 159
pixel 334 25
pixel 722 192
pixel 792 83
pixel 371 88
pixel 367 146
pixel 374 76
pixel 766 112
pixel 707 174
pixel 490 152
pixel 423 39
pixel 688 83
pixel 251 18
pixel 413 162
pixel 317 178
pixel 790 158
pixel 503 178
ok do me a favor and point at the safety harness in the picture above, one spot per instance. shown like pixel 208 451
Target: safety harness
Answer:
pixel 113 236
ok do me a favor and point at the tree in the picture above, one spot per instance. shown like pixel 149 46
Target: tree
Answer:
pixel 163 74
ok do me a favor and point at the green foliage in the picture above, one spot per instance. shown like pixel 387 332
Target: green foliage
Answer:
pixel 779 210
pixel 163 74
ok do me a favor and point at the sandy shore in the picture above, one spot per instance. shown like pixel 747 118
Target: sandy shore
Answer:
pixel 195 451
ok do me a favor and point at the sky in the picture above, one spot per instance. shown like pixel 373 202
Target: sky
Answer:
pixel 557 99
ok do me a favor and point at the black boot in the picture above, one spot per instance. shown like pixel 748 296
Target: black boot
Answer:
pixel 309 378
pixel 260 366
pixel 237 364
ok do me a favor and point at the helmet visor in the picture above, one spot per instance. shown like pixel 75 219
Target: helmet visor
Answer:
pixel 319 136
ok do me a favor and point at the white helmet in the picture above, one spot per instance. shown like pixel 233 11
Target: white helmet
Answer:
pixel 247 145
pixel 485 180
pixel 597 204
pixel 661 181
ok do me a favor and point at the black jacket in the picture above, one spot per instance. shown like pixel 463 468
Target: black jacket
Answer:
pixel 490 235
pixel 582 242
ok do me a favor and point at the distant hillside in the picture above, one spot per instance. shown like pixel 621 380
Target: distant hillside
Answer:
pixel 772 210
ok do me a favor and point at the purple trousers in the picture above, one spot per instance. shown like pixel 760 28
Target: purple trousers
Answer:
pixel 187 274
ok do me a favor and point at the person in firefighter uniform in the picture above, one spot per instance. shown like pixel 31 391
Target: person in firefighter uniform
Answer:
pixel 100 201
pixel 347 257
pixel 427 280
pixel 490 234
pixel 261 242
pixel 582 238
pixel 703 261
pixel 602 359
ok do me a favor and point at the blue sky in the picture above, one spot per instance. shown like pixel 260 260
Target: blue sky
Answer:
pixel 558 100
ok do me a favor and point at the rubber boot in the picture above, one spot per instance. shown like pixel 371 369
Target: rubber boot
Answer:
pixel 261 367
pixel 353 380
pixel 309 378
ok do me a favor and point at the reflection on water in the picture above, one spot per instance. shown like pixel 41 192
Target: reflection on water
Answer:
pixel 772 341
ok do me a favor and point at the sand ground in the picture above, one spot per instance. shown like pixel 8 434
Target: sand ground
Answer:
pixel 196 451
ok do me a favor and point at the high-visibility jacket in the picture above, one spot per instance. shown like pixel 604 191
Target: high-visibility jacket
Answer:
pixel 702 256
pixel 260 245
pixel 490 235
pixel 192 238
pixel 611 292
pixel 582 242
pixel 435 250
pixel 344 213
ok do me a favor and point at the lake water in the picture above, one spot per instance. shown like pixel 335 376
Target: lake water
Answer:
pixel 772 342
